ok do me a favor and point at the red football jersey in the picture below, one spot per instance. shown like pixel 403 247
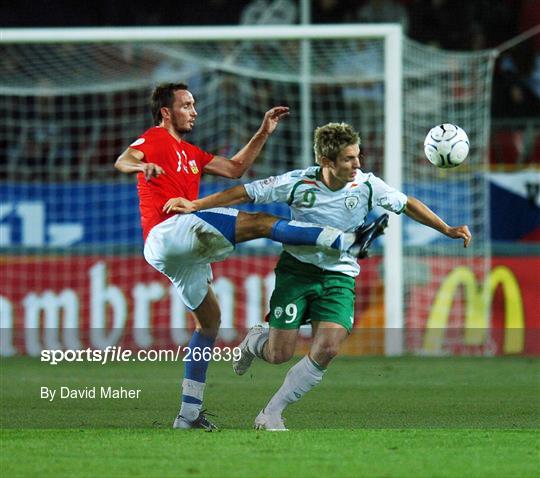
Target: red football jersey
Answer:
pixel 183 164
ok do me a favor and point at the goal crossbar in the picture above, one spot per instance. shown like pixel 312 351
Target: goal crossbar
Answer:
pixel 197 34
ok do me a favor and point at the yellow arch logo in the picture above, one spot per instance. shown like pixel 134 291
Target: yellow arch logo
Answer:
pixel 478 301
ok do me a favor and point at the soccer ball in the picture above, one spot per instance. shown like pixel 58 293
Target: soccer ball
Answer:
pixel 446 145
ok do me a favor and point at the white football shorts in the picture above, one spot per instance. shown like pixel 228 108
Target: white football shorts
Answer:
pixel 183 246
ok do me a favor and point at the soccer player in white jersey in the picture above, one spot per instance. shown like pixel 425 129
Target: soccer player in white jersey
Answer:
pixel 315 285
pixel 182 247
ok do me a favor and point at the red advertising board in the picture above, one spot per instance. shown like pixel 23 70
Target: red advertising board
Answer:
pixel 81 301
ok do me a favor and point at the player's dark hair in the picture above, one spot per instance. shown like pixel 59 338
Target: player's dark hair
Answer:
pixel 163 96
pixel 331 138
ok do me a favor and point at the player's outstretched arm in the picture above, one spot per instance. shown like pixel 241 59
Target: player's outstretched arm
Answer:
pixel 418 211
pixel 242 161
pixel 131 161
pixel 229 197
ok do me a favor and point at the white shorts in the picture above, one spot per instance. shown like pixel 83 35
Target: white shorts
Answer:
pixel 183 246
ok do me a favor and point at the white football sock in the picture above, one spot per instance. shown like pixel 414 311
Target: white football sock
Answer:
pixel 194 389
pixel 329 235
pixel 256 344
pixel 190 411
pixel 300 379
pixel 347 240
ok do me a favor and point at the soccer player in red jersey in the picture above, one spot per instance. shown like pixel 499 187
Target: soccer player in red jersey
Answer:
pixel 183 246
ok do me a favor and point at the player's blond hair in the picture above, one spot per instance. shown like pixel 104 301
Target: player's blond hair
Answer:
pixel 331 138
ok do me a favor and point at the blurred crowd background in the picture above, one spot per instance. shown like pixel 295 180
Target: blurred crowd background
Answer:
pixel 448 24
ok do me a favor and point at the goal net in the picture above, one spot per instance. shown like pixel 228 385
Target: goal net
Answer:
pixel 70 242
pixel 446 303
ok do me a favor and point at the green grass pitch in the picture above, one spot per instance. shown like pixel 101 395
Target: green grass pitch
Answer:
pixel 383 417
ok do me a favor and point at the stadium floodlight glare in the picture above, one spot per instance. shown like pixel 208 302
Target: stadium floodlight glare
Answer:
pixel 86 91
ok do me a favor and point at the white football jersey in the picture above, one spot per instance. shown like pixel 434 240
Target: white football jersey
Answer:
pixel 311 201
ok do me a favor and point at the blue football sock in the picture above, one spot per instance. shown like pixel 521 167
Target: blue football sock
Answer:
pixel 195 371
pixel 304 234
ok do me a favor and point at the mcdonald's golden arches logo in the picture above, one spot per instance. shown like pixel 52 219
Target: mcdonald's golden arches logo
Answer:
pixel 478 300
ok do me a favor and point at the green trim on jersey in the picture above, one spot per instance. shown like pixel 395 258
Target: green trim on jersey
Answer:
pixel 370 198
pixel 295 187
pixel 305 293
pixel 293 190
pixel 402 209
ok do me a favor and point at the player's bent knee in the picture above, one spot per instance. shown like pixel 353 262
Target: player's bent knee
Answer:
pixel 210 322
pixel 278 356
pixel 262 223
pixel 209 318
pixel 326 351
pixel 209 328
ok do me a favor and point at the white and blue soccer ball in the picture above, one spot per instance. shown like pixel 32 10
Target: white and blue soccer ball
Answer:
pixel 446 145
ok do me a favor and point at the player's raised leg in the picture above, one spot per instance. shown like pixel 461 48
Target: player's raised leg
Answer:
pixel 256 225
pixel 210 235
pixel 249 226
